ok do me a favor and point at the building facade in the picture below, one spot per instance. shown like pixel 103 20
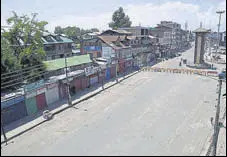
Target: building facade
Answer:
pixel 56 46
pixel 137 30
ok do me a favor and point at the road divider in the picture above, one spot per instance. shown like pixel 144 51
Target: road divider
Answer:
pixel 181 71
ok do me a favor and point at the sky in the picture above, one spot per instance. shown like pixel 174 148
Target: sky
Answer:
pixel 98 13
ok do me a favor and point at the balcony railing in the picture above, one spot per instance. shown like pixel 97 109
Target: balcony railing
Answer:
pixel 55 52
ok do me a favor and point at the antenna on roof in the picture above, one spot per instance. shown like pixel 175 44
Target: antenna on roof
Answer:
pixel 201 24
pixel 186 25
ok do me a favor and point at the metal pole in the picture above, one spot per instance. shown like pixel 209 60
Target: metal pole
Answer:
pixel 117 65
pixel 219 23
pixel 67 79
pixel 216 123
pixel 3 131
pixel 100 75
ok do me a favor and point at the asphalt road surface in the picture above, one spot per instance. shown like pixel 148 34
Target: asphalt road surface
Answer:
pixel 147 114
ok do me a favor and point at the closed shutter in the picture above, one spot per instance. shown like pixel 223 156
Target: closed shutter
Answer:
pixel 113 71
pixel 78 84
pixel 31 105
pixel 14 112
pixel 107 73
pixel 85 83
pixel 93 80
pixel 41 101
pixel 52 94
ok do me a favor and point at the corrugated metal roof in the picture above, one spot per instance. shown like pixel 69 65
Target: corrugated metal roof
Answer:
pixel 71 61
pixel 63 76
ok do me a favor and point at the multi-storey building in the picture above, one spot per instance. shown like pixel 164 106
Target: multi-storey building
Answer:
pixel 176 33
pixel 56 46
pixel 137 30
pixel 120 45
pixel 165 39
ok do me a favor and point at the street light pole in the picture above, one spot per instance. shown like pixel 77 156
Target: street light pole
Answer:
pixel 3 131
pixel 67 79
pixel 216 123
pixel 218 42
pixel 117 66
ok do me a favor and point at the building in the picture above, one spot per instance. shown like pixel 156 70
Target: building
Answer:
pixel 115 33
pixel 165 39
pixel 92 46
pixel 136 30
pixel 56 46
pixel 57 66
pixel 90 35
pixel 176 33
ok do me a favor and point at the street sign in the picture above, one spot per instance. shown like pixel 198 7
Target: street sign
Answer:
pixel 90 70
pixel 41 90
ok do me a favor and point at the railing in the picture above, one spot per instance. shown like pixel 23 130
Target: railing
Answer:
pixel 56 52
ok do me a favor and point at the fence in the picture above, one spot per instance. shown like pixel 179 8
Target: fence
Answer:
pixel 182 71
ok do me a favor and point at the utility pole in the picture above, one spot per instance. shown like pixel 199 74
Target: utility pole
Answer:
pixel 117 65
pixel 99 71
pixel 219 23
pixel 68 84
pixel 216 122
pixel 3 131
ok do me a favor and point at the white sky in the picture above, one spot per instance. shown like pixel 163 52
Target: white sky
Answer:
pixel 98 13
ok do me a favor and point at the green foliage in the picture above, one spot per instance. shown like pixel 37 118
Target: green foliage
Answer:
pixel 29 30
pixel 119 19
pixel 73 32
pixel 58 30
pixel 8 61
pixel 22 46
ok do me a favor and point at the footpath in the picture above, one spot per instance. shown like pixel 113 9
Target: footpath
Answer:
pixel 221 144
pixel 21 126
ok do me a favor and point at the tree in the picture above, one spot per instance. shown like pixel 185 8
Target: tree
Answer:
pixel 119 19
pixel 22 47
pixel 24 38
pixel 9 62
pixel 58 30
pixel 73 32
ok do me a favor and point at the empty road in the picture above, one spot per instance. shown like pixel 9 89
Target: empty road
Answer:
pixel 147 114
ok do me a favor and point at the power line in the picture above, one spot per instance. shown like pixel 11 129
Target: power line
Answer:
pixel 42 73
pixel 216 123
pixel 22 69
pixel 19 74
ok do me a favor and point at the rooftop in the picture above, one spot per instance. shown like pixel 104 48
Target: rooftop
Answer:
pixel 113 40
pixel 123 32
pixel 201 30
pixel 71 61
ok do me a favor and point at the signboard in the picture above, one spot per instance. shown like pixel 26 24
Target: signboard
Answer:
pixel 90 70
pixel 50 86
pixel 65 80
pixel 34 85
pixel 41 90
pixel 92 48
pixel 107 52
pixel 12 101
